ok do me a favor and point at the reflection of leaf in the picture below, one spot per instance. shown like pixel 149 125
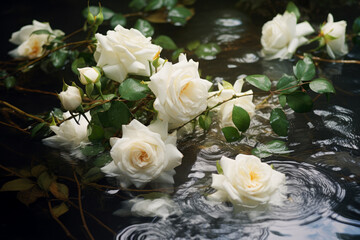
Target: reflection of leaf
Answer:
pixel 30 196
pixel 19 184
pixel 299 102
pixel 205 122
pixel 45 180
pixel 59 190
pixel 37 170
pixel 270 148
pixel 179 15
pixel 60 209
pixel 207 51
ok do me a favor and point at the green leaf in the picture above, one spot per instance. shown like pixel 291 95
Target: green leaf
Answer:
pixel 279 122
pixel 95 132
pixel 207 51
pixel 41 31
pixel 92 150
pixel 270 148
pixel 58 58
pixel 102 160
pixel 260 81
pixel 44 180
pixel 133 90
pixel 219 168
pixel 356 26
pixel 175 55
pixel 9 82
pixel 37 170
pixel 282 100
pixel 304 69
pixel 193 45
pixel 117 19
pixel 205 122
pixel 137 5
pixel 19 184
pixel 89 88
pixel 169 4
pixel 321 85
pixel 299 102
pixel 108 13
pixel 179 15
pixel 59 190
pixel 231 134
pixel 287 82
pixel 240 118
pixel 165 42
pixel 30 196
pixel 116 116
pixel 38 128
pixel 153 5
pixel 93 175
pixel 60 209
pixel 78 63
pixel 292 8
pixel 144 27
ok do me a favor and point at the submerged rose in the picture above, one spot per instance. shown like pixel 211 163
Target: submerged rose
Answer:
pixel 143 154
pixel 243 99
pixel 180 92
pixel 69 133
pixel 71 98
pixel 246 181
pixel 282 36
pixel 31 45
pixel 334 37
pixel 124 51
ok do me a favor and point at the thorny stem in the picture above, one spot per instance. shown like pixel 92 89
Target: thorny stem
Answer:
pixel 81 208
pixel 21 111
pixel 59 222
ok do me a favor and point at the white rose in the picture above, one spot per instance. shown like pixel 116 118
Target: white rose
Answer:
pixel 244 100
pixel 282 36
pixel 69 133
pixel 31 45
pixel 246 181
pixel 334 37
pixel 143 154
pixel 124 51
pixel 180 92
pixel 162 207
pixel 89 75
pixel 71 98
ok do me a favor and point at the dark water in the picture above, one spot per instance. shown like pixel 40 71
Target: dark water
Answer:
pixel 322 171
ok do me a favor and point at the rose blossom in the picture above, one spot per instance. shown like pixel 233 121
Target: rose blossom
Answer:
pixel 143 154
pixel 246 181
pixel 31 45
pixel 180 92
pixel 124 51
pixel 71 98
pixel 89 75
pixel 282 36
pixel 334 37
pixel 69 133
pixel 244 100
pixel 162 207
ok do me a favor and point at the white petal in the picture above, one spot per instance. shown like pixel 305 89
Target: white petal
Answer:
pixel 303 29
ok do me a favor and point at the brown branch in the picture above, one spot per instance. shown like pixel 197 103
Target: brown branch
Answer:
pixel 11 171
pixel 34 91
pixel 95 218
pixel 13 126
pixel 59 222
pixel 81 208
pixel 21 111
pixel 330 60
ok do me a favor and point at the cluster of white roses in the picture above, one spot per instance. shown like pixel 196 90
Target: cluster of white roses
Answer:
pixel 283 35
pixel 148 153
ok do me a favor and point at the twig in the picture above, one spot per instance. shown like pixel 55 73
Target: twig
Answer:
pixel 13 126
pixel 330 60
pixel 59 222
pixel 81 208
pixel 21 111
pixel 34 91
pixel 11 171
pixel 95 218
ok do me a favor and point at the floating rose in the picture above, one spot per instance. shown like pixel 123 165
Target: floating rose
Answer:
pixel 124 51
pixel 69 133
pixel 143 154
pixel 282 36
pixel 31 45
pixel 180 92
pixel 334 37
pixel 244 100
pixel 246 181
